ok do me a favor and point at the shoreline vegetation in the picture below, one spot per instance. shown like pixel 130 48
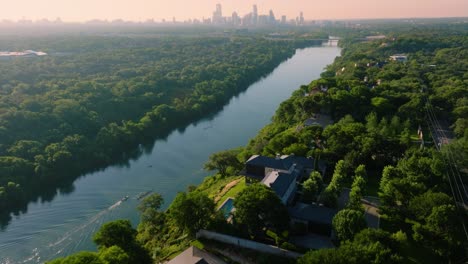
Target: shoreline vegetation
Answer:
pixel 61 116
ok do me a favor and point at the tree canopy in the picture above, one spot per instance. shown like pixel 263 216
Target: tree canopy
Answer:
pixel 258 206
pixel 192 211
pixel 347 223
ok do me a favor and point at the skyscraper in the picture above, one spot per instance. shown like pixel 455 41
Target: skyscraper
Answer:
pixel 271 19
pixel 218 15
pixel 235 19
pixel 219 10
pixel 255 15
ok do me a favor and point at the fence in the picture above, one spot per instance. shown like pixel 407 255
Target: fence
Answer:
pixel 244 243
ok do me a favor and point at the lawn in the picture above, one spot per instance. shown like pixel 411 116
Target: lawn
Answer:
pixel 232 192
pixel 213 185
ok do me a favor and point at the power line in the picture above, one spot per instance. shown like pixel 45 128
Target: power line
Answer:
pixel 438 147
pixel 450 154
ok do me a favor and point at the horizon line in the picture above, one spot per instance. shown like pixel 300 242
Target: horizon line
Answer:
pixel 169 21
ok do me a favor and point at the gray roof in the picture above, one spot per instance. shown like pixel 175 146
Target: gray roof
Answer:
pixel 312 213
pixel 307 163
pixel 193 255
pixel 279 181
pixel 268 162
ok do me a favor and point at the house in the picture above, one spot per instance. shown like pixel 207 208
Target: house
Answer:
pixel 316 218
pixel 193 255
pixel 283 183
pixel 319 120
pixel 281 173
pixel 260 166
pixel 399 58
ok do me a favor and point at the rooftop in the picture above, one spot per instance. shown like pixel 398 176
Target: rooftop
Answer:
pixel 21 53
pixel 279 181
pixel 193 255
pixel 312 213
pixel 267 162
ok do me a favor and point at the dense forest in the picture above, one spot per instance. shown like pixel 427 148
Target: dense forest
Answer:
pixel 93 100
pixel 378 105
pixel 383 142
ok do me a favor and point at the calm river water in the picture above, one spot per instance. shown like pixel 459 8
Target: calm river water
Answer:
pixel 65 225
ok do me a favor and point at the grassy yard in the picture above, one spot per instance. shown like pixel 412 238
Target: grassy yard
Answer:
pixel 232 192
pixel 220 188
pixel 213 185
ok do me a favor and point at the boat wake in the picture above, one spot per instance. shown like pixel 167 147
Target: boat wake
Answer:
pixel 72 239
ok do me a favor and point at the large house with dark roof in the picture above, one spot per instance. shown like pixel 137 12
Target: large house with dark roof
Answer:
pixel 316 218
pixel 281 173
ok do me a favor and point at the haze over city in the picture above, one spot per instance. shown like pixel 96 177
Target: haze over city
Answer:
pixel 141 10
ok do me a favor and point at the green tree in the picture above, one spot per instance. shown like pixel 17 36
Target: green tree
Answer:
pixel 421 206
pixel 79 258
pixel 372 123
pixel 441 233
pixel 381 105
pixel 312 187
pixel 339 176
pixel 405 137
pixel 395 126
pixel 192 211
pixel 368 246
pixel 149 208
pixel 114 255
pixel 121 233
pixel 387 190
pixel 357 193
pixel 360 172
pixel 222 160
pixel 350 253
pixel 347 223
pixel 329 196
pixel 258 206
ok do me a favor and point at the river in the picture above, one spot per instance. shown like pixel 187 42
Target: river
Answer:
pixel 66 224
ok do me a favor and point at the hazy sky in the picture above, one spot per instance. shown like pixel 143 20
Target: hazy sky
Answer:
pixel 138 10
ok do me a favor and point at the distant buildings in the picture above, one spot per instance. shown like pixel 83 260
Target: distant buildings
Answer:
pixel 301 19
pixel 26 53
pixel 218 15
pixel 252 19
pixel 399 58
pixel 283 20
pixel 235 19
pixel 249 20
pixel 254 16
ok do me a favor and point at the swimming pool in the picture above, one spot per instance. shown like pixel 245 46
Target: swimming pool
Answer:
pixel 227 207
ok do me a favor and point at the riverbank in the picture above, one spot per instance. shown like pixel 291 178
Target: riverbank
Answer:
pixel 168 166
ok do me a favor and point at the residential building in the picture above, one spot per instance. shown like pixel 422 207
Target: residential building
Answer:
pixel 316 218
pixel 193 255
pixel 281 174
pixel 399 58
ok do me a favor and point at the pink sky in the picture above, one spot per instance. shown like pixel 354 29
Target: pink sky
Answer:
pixel 139 10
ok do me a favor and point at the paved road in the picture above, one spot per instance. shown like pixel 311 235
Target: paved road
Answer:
pixel 372 216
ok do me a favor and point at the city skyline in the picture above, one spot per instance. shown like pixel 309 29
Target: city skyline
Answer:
pixel 142 10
